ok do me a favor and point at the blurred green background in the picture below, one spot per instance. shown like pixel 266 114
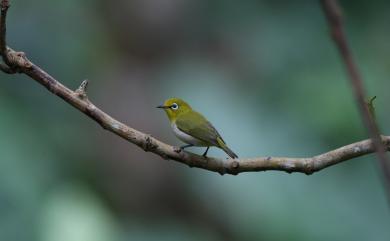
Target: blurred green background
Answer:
pixel 264 72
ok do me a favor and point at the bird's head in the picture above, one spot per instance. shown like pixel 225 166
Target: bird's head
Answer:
pixel 174 107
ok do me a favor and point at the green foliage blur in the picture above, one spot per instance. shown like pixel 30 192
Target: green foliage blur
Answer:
pixel 266 73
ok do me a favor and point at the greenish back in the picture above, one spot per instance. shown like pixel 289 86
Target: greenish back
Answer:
pixel 194 124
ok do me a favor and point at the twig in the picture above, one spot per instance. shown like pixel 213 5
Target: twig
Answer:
pixel 334 17
pixel 79 100
pixel 3 28
pixel 6 69
pixel 82 90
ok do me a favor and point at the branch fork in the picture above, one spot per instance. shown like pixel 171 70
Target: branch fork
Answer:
pixel 81 92
pixel 17 60
pixel 4 5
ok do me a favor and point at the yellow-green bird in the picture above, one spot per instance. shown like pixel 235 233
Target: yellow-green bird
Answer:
pixel 192 127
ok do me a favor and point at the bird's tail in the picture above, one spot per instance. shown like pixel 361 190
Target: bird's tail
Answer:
pixel 224 147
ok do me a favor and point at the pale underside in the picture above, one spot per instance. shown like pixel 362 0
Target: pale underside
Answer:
pixel 187 138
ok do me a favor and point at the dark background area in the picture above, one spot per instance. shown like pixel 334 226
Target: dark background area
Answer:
pixel 266 74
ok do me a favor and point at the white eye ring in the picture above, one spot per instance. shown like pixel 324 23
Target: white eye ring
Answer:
pixel 174 106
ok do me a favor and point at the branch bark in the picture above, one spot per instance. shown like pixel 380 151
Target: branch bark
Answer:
pixel 18 62
pixel 4 9
pixel 333 14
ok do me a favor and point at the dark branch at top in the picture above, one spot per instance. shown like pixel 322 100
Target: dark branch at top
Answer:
pixel 3 28
pixel 334 17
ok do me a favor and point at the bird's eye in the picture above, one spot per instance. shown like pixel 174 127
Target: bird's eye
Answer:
pixel 174 106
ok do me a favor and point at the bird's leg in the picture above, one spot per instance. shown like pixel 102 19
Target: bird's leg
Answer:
pixel 205 153
pixel 181 148
pixel 185 146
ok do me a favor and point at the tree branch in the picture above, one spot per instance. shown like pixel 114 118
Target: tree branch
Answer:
pixel 334 17
pixel 4 8
pixel 79 100
pixel 6 69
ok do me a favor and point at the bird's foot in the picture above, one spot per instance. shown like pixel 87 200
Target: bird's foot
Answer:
pixel 177 149
pixel 181 148
pixel 205 153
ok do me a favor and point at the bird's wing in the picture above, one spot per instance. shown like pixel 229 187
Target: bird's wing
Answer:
pixel 194 124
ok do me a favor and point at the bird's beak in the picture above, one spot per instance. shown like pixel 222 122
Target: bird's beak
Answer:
pixel 162 106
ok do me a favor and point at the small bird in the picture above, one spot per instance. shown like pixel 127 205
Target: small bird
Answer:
pixel 192 127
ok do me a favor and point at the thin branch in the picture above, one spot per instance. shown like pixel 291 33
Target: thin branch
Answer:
pixel 6 69
pixel 3 29
pixel 80 101
pixel 82 90
pixel 334 17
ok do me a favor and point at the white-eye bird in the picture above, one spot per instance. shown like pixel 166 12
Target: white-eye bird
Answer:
pixel 192 127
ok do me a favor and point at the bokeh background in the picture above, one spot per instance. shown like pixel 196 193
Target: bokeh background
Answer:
pixel 264 72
